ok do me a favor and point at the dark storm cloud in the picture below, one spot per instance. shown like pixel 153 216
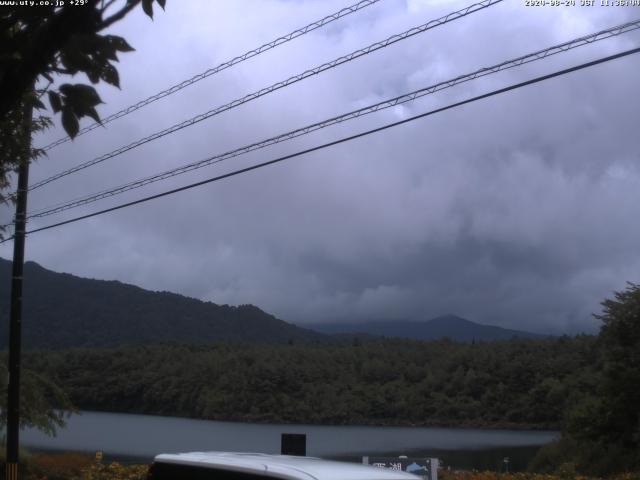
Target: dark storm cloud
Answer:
pixel 518 210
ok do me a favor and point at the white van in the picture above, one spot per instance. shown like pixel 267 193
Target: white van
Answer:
pixel 257 466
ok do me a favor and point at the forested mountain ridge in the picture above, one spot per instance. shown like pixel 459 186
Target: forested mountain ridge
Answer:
pixel 451 326
pixel 61 310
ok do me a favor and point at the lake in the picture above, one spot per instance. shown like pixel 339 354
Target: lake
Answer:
pixel 140 437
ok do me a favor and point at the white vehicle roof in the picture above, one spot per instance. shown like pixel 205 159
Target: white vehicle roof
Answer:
pixel 284 466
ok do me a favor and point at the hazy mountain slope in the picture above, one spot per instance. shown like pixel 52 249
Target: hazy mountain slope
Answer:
pixel 451 326
pixel 62 310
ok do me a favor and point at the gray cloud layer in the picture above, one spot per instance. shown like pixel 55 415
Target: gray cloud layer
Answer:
pixel 519 210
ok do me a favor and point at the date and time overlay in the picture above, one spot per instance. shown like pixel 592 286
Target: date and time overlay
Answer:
pixel 581 3
pixel 526 3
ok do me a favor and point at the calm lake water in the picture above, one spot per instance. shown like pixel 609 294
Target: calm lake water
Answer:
pixel 140 437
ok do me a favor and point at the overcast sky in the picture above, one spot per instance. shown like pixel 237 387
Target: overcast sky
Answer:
pixel 520 210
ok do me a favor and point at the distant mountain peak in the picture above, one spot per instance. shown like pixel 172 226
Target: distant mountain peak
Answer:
pixel 450 325
pixel 448 319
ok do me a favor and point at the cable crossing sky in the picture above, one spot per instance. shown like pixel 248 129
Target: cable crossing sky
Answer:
pixel 407 97
pixel 276 86
pixel 345 139
pixel 223 66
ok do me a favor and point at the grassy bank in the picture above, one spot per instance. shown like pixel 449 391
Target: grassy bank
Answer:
pixel 75 466
pixel 566 474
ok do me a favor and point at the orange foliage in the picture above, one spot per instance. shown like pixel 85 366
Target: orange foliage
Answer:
pixel 80 466
pixel 475 475
pixel 59 465
pixel 115 471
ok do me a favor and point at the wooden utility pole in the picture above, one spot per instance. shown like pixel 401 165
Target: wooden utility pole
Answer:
pixel 15 321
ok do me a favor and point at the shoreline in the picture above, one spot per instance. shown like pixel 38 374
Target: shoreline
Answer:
pixel 498 426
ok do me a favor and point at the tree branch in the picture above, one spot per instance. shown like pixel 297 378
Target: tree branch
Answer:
pixel 44 90
pixel 104 7
pixel 118 15
pixel 62 71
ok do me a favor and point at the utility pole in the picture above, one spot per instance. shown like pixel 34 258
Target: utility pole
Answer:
pixel 15 321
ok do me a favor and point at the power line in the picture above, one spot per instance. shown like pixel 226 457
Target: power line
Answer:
pixel 223 66
pixel 276 86
pixel 343 140
pixel 407 97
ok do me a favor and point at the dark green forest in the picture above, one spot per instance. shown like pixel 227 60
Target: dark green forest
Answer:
pixel 518 383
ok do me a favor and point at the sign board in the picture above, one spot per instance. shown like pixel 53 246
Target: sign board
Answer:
pixel 98 456
pixel 425 467
pixel 293 444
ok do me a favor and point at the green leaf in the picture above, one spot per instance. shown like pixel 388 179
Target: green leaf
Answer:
pixel 80 96
pixel 74 56
pixel 93 75
pixel 70 122
pixel 38 105
pixel 110 75
pixel 66 89
pixel 120 43
pixel 103 48
pixel 91 112
pixel 147 6
pixel 162 3
pixel 88 94
pixel 54 100
pixel 109 52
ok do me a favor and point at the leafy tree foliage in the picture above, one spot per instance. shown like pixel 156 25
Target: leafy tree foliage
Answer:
pixel 41 43
pixel 620 394
pixel 518 383
pixel 602 431
pixel 43 403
